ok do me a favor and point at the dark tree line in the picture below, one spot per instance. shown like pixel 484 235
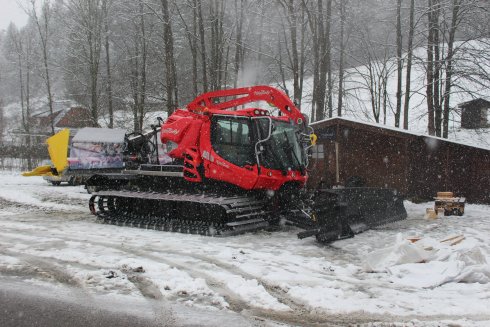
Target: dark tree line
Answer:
pixel 142 55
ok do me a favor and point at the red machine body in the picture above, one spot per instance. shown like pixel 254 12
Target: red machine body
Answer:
pixel 189 135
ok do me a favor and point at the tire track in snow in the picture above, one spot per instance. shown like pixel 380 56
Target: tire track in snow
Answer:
pixel 300 317
pixel 44 264
pixel 217 286
pixel 44 267
pixel 44 201
pixel 236 303
pixel 147 287
pixel 274 290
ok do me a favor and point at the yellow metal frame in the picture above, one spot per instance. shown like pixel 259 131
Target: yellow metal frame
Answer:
pixel 58 153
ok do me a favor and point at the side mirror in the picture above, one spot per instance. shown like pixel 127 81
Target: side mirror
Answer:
pixel 267 121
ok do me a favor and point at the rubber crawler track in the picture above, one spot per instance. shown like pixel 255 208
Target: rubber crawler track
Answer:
pixel 204 214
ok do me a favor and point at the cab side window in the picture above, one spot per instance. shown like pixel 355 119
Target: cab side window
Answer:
pixel 231 139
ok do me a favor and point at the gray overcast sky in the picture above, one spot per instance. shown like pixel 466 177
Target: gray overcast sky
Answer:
pixel 10 11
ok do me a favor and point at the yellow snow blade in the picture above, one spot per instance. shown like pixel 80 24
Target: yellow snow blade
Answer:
pixel 58 149
pixel 38 171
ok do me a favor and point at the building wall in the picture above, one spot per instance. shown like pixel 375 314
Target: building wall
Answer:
pixel 474 117
pixel 416 166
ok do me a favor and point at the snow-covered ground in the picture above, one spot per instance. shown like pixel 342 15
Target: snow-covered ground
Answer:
pixel 49 240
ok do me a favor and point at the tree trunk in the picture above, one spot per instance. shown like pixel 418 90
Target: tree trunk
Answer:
pixel 203 47
pixel 322 62
pixel 21 83
pixel 430 72
pixel 328 56
pixel 238 44
pixel 449 66
pixel 217 12
pixel 302 58
pixel 341 59
pixel 94 72
pixel 258 76
pixel 144 55
pixel 293 30
pixel 409 64
pixel 27 126
pixel 193 46
pixel 399 46
pixel 108 64
pixel 437 69
pixel 44 37
pixel 171 75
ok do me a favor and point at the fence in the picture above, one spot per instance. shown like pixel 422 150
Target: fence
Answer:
pixel 22 157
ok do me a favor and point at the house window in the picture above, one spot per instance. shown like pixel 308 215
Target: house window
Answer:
pixel 317 152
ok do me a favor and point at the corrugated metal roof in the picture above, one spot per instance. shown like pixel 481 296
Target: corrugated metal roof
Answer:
pixel 103 135
pixel 400 131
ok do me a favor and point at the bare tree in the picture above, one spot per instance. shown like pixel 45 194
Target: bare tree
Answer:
pixel 340 96
pixel 135 46
pixel 375 76
pixel 322 79
pixel 42 22
pixel 399 63
pixel 408 76
pixel 436 82
pixel 455 20
pixel 430 69
pixel 328 58
pixel 106 8
pixel 192 39
pixel 238 63
pixel 171 72
pixel 291 10
pixel 204 63
pixel 20 43
pixel 85 21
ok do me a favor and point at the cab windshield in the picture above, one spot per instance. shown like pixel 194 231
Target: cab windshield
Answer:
pixel 283 150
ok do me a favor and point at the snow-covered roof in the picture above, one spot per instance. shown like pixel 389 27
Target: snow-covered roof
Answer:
pixel 105 135
pixel 403 131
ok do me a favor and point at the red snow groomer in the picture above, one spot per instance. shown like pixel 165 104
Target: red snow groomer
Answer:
pixel 233 169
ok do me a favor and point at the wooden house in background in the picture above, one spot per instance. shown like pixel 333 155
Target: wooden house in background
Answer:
pixel 418 166
pixel 474 113
pixel 65 115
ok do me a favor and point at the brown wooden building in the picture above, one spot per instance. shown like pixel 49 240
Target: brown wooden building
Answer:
pixel 474 113
pixel 73 118
pixel 418 166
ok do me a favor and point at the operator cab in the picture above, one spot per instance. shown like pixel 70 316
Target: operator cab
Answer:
pixel 259 140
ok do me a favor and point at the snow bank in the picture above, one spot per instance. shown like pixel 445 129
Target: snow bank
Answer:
pixel 429 263
pixel 403 251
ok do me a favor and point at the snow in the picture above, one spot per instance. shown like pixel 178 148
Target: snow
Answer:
pixel 48 237
pixel 105 135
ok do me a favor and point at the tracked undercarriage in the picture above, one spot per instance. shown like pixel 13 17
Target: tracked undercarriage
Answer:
pixel 157 197
pixel 205 214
